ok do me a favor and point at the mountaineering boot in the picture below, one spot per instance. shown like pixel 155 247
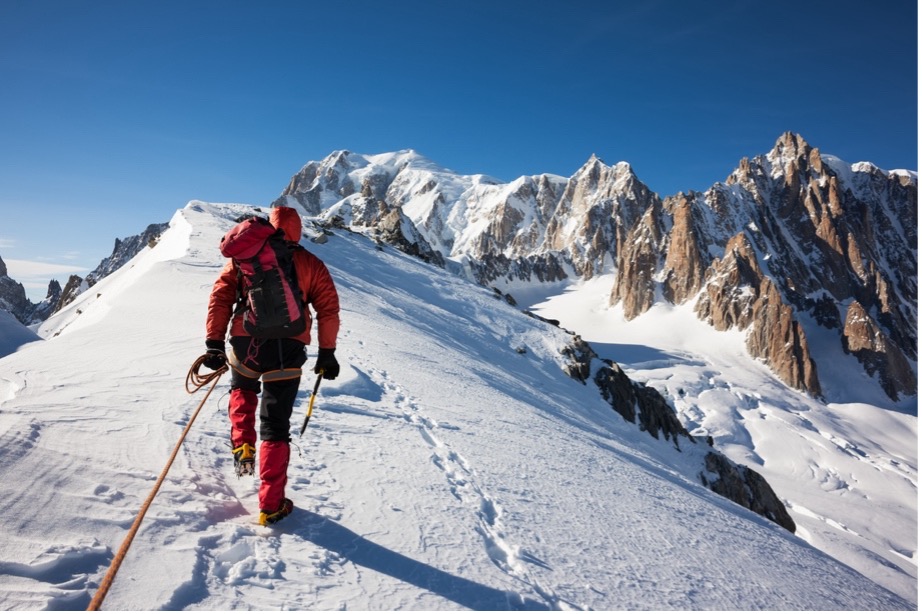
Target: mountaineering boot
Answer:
pixel 266 517
pixel 244 456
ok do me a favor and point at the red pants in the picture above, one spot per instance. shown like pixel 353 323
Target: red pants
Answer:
pixel 275 410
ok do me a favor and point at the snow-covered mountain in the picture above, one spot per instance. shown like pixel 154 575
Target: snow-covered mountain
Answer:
pixel 814 258
pixel 456 463
pixel 14 301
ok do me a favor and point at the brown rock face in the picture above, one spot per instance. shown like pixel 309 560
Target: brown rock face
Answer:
pixel 777 337
pixel 12 295
pixel 685 262
pixel 732 289
pixel 877 352
pixel 740 296
pixel 637 402
pixel 802 239
pixel 638 260
pixel 746 487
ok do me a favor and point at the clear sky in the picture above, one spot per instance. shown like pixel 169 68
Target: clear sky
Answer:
pixel 113 114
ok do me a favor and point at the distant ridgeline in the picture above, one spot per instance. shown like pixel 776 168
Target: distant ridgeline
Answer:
pixel 13 296
pixel 792 245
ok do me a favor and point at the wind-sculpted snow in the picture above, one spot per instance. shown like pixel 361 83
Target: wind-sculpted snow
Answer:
pixel 452 465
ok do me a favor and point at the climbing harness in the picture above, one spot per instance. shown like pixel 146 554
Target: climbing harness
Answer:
pixel 194 382
pixel 310 405
pixel 276 375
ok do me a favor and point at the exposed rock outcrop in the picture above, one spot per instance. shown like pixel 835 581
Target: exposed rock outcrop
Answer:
pixel 648 409
pixel 73 288
pixel 738 295
pixel 863 337
pixel 124 250
pixel 394 229
pixel 46 307
pixel 13 296
pixel 639 404
pixel 745 487
pixel 686 256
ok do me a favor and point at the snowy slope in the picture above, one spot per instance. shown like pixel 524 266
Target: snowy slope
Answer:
pixel 13 334
pixel 847 472
pixel 452 465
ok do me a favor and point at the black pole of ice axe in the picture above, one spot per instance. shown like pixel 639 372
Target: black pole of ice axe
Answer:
pixel 310 405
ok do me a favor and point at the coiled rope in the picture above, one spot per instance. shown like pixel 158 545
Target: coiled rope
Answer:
pixel 194 382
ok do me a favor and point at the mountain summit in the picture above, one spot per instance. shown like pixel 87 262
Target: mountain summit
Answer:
pixel 800 250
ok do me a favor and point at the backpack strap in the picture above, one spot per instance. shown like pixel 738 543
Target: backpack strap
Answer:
pixel 239 303
pixel 295 247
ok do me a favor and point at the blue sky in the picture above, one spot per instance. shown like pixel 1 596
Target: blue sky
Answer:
pixel 115 114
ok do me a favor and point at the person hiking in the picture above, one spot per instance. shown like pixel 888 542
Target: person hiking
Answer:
pixel 277 361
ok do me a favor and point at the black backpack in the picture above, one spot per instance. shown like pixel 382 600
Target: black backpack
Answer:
pixel 269 297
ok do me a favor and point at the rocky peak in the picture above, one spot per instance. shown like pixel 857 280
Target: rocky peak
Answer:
pixel 792 155
pixel 595 214
pixel 792 238
pixel 54 289
pixel 316 178
pixel 13 296
pixel 591 169
pixel 41 311
pixel 825 236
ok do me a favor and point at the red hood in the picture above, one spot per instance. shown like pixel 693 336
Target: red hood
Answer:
pixel 288 220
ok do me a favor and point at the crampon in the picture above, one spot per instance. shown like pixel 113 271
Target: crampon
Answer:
pixel 244 460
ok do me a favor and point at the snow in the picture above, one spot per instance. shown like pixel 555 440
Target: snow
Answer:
pixel 847 470
pixel 445 469
pixel 13 334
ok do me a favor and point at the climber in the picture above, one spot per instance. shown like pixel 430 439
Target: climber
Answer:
pixel 275 356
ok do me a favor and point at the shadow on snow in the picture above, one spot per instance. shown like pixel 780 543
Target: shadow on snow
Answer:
pixel 361 551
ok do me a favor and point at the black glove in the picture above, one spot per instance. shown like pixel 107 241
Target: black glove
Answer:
pixel 327 362
pixel 215 358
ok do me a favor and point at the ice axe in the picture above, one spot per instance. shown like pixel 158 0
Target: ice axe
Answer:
pixel 310 405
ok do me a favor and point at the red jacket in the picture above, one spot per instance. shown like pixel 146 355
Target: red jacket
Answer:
pixel 313 278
